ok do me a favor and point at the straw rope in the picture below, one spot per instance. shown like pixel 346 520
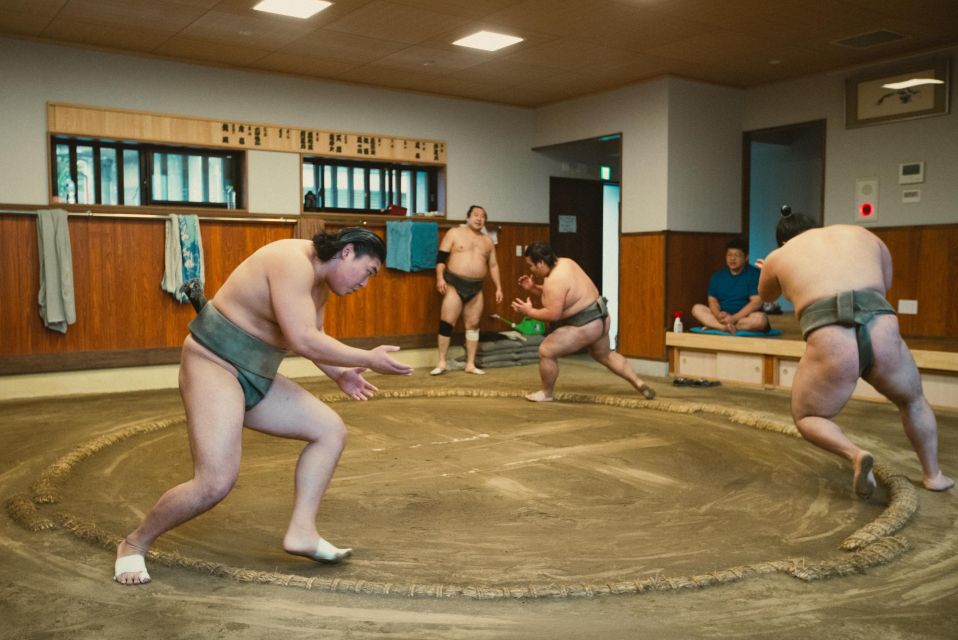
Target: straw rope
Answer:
pixel 872 545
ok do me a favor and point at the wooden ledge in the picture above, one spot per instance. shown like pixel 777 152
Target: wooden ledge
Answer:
pixel 761 346
pixel 787 348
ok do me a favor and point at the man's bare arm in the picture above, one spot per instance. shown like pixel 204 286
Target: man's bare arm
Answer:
pixel 494 271
pixel 754 304
pixel 715 307
pixel 333 373
pixel 769 288
pixel 553 302
pixel 444 245
pixel 528 284
pixel 886 268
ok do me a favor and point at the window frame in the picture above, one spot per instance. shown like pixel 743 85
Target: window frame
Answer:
pixel 234 159
pixel 390 172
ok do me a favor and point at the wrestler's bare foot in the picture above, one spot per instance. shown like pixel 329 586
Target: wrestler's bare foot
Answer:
pixel 730 327
pixel 476 370
pixel 864 481
pixel 539 396
pixel 320 551
pixel 647 392
pixel 130 568
pixel 941 482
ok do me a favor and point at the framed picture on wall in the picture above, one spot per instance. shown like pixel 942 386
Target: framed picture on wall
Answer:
pixel 915 90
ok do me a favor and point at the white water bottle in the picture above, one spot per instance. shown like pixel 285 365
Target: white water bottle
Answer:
pixel 677 325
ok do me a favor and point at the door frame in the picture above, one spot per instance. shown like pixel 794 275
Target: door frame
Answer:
pixel 748 138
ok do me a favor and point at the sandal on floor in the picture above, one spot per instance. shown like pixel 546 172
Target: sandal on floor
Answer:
pixel 702 382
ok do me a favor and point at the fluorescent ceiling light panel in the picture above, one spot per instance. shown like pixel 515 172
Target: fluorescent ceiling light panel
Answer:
pixel 913 82
pixel 294 8
pixel 487 40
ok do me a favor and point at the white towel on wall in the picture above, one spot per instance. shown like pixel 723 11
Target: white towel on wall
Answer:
pixel 172 257
pixel 57 306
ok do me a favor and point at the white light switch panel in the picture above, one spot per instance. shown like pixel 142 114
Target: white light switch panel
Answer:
pixel 909 307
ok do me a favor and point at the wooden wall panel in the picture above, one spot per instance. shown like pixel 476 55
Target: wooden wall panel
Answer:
pixel 642 296
pixel 511 267
pixel 690 261
pixel 396 303
pixel 118 266
pixel 925 264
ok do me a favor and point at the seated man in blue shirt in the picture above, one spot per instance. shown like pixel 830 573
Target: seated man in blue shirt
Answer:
pixel 734 304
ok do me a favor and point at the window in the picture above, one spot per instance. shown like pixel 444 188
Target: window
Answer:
pixel 89 171
pixel 353 186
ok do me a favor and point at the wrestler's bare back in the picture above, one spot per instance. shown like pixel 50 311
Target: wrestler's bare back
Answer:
pixel 469 252
pixel 822 262
pixel 568 281
pixel 245 296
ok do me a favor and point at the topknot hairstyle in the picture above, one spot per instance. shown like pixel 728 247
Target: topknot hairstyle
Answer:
pixel 364 241
pixel 792 224
pixel 541 252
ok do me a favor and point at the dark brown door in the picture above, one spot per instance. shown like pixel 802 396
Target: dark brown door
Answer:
pixel 575 223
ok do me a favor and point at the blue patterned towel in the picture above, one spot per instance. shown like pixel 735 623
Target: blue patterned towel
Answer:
pixel 184 255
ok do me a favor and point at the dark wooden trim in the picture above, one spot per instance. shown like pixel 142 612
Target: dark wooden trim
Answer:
pixel 160 212
pixel 80 360
pixel 670 232
pixel 87 360
pixel 636 234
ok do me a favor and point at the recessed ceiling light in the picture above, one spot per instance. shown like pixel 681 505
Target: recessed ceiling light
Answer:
pixel 913 82
pixel 487 40
pixel 293 8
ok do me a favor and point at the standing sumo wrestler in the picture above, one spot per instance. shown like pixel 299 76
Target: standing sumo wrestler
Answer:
pixel 466 255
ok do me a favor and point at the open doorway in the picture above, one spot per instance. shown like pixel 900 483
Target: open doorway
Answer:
pixel 584 211
pixel 782 165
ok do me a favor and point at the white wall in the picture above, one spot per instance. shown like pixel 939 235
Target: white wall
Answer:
pixel 681 150
pixel 640 113
pixel 274 181
pixel 489 157
pixel 705 157
pixel 869 151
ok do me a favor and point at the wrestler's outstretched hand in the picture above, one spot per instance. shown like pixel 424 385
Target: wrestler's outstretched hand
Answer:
pixel 381 362
pixel 526 282
pixel 355 386
pixel 522 306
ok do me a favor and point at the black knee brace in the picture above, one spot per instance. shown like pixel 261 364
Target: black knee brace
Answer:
pixel 445 329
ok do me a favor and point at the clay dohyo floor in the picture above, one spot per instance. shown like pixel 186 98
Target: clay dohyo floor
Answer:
pixel 482 493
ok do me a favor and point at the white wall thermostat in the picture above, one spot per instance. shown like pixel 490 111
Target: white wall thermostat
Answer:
pixel 911 172
pixel 866 199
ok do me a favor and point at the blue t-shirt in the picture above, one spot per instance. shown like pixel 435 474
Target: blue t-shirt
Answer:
pixel 734 292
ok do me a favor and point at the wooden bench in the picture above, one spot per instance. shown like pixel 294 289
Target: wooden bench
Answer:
pixel 771 362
